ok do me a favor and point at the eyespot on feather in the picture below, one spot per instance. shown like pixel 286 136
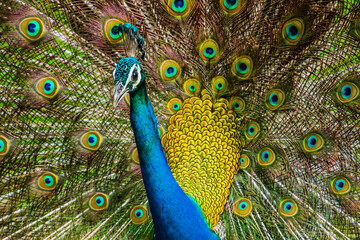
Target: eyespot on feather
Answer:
pixel 91 140
pixel 111 31
pixel 288 208
pixel 47 87
pixel 4 145
pixel 274 99
pixel 179 8
pixel 293 30
pixel 242 207
pixel 244 161
pixel 99 201
pixel 192 87
pixel 233 7
pixel 135 156
pixel 209 51
pixel 237 104
pixel 266 156
pixel 161 131
pixel 31 28
pixel 174 105
pixel 219 85
pixel 170 70
pixel 347 92
pixel 252 130
pixel 138 214
pixel 313 142
pixel 48 181
pixel 242 67
pixel 340 185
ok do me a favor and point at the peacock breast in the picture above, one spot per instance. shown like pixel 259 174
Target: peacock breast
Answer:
pixel 203 147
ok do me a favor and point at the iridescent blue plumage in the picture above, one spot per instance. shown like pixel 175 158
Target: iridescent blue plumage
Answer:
pixel 175 214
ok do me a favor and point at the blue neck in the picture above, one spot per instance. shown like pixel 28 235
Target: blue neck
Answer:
pixel 175 215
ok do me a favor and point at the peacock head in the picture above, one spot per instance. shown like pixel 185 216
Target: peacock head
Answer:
pixel 128 76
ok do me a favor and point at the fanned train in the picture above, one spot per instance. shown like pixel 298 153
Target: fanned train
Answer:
pixel 180 119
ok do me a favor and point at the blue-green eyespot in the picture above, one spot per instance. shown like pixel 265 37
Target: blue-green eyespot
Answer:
pixel 111 31
pixel 209 51
pixel 169 70
pixel 274 99
pixel 232 7
pixel 244 161
pixel 252 130
pixel 99 201
pixel 138 214
pixel 47 87
pixel 174 105
pixel 242 67
pixel 340 185
pixel 91 140
pixel 32 28
pixel 4 145
pixel 293 30
pixel 242 207
pixel 266 156
pixel 288 208
pixel 179 8
pixel 48 181
pixel 313 142
pixel 347 92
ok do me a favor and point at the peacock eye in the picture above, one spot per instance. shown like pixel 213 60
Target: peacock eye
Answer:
pixel 135 155
pixel 252 130
pixel 313 142
pixel 266 156
pixel 233 6
pixel 48 181
pixel 178 8
pixel 244 161
pixel 230 4
pixel 340 185
pixel 237 104
pixel 161 131
pixel 347 92
pixel 91 140
pixel 293 31
pixel 192 87
pixel 174 105
pixel 242 207
pixel 219 84
pixel 47 87
pixel 170 70
pixel 112 31
pixel 209 51
pixel 138 214
pixel 99 201
pixel 4 145
pixel 32 28
pixel 288 208
pixel 242 67
pixel 274 99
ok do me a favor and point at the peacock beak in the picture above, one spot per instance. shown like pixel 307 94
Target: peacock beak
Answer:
pixel 119 92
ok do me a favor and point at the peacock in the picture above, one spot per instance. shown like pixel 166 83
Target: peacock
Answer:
pixel 180 119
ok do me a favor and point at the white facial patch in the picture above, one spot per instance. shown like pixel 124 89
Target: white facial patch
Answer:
pixel 134 68
pixel 114 73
